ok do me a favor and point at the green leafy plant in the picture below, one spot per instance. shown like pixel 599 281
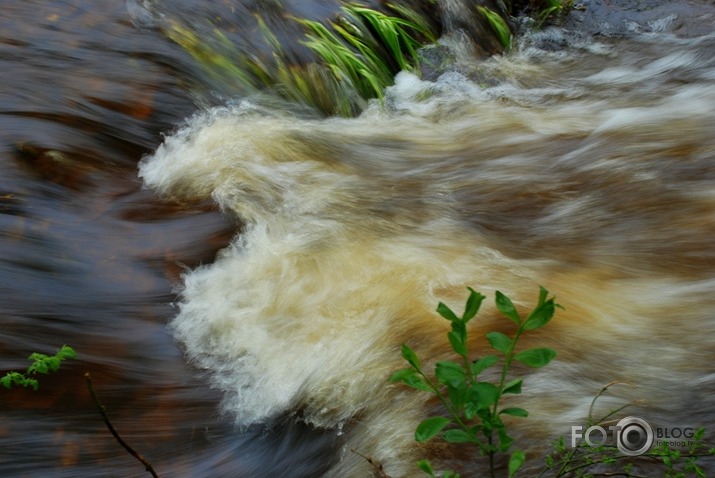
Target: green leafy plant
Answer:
pixel 563 461
pixel 473 405
pixel 41 364
pixel 688 461
pixel 580 460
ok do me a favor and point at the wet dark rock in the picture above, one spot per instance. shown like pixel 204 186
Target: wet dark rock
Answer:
pixel 687 18
pixel 434 61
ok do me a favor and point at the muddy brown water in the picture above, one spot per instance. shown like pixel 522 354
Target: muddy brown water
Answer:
pixel 90 258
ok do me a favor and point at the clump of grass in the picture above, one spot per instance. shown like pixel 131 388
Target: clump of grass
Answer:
pixel 357 55
pixel 543 11
pixel 218 56
pixel 498 25
pixel 368 47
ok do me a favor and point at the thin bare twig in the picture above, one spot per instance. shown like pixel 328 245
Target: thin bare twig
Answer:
pixel 377 466
pixel 103 412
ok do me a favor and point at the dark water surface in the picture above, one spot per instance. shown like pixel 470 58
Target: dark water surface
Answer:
pixel 90 259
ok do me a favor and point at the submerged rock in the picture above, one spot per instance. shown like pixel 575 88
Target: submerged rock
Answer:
pixel 688 18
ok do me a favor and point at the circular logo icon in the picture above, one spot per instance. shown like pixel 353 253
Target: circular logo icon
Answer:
pixel 634 436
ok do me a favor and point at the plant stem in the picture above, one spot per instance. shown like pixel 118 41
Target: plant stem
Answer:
pixel 447 405
pixel 377 466
pixel 103 412
pixel 495 408
pixel 491 457
pixel 505 369
pixel 468 370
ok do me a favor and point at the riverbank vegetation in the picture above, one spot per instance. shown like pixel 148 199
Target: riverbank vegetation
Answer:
pixel 474 405
pixel 355 55
pixel 473 417
pixel 41 364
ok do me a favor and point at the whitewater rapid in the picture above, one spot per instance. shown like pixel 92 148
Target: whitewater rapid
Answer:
pixel 588 170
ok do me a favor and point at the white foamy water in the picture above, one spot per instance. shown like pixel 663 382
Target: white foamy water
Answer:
pixel 590 171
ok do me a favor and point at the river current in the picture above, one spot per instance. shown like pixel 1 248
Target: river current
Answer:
pixel 240 288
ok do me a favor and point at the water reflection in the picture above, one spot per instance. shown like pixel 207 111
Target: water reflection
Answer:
pixel 87 257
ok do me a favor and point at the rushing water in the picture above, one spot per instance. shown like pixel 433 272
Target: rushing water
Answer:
pixel 583 165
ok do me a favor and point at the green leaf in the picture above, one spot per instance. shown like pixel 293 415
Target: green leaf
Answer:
pixel 478 366
pixel 515 412
pixel 417 382
pixel 543 294
pixel 474 302
pixel 483 395
pixel 450 373
pixel 426 466
pixel 430 427
pixel 458 395
pixel 540 316
pixel 460 329
pixel 66 352
pixel 16 378
pixel 506 307
pixel 457 342
pixel 457 435
pixel 515 461
pixel 37 357
pixel 505 440
pixel 53 363
pixel 486 426
pixel 498 25
pixel 446 312
pixel 470 410
pixel 499 342
pixel 537 357
pixel 411 357
pixel 513 387
pixel 37 367
pixel 560 445
pixel 6 381
pixel 402 374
